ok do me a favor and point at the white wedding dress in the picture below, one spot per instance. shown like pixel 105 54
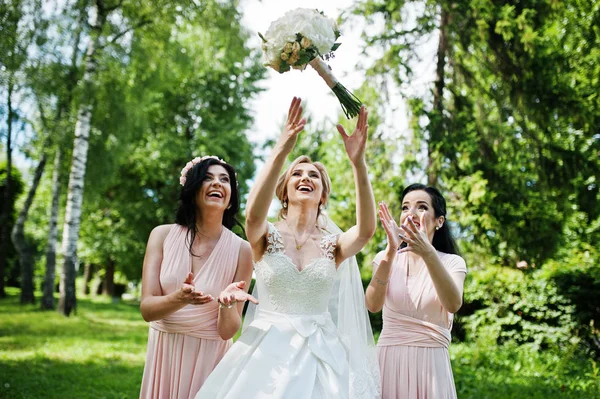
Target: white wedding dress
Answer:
pixel 292 348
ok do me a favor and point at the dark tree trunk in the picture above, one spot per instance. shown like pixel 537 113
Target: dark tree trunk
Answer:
pixel 88 274
pixel 437 128
pixel 8 204
pixel 109 279
pixel 20 242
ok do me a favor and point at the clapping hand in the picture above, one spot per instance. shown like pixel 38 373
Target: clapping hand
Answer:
pixel 235 293
pixel 417 238
pixel 390 226
pixel 357 143
pixel 188 294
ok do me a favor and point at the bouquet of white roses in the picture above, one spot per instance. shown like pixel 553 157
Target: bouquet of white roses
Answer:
pixel 305 37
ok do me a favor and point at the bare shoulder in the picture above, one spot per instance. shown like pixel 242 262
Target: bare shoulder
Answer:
pixel 245 249
pixel 160 233
pixel 453 262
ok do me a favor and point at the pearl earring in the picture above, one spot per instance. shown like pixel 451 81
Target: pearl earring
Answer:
pixel 284 204
pixel 437 227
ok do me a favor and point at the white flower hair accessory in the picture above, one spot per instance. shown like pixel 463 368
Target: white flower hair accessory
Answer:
pixel 190 165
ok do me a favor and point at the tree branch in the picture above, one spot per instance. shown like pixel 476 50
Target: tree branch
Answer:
pixel 110 9
pixel 123 33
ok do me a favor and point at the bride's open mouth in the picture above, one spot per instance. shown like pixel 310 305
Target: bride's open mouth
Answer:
pixel 304 188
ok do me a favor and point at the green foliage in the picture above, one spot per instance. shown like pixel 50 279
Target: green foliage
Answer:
pixel 175 87
pixel 555 305
pixel 508 305
pixel 7 250
pixel 577 277
pixel 187 90
pixel 514 137
pixel 523 132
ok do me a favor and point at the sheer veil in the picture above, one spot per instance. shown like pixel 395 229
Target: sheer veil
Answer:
pixel 349 313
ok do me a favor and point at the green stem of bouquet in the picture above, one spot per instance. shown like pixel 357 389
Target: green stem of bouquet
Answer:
pixel 350 103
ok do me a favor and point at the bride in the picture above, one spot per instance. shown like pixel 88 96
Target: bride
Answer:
pixel 310 336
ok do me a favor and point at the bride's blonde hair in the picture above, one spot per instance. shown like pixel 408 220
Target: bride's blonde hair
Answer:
pixel 281 188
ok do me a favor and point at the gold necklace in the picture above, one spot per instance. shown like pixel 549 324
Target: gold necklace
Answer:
pixel 299 246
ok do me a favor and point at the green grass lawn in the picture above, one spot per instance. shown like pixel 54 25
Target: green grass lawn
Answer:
pixel 513 372
pixel 99 353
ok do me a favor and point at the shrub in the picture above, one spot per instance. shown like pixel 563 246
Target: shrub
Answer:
pixel 508 305
pixel 577 278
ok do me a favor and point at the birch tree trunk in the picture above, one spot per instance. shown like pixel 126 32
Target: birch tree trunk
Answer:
pixel 436 132
pixel 48 290
pixel 68 301
pixel 20 242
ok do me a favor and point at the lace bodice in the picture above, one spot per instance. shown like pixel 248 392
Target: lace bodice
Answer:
pixel 283 288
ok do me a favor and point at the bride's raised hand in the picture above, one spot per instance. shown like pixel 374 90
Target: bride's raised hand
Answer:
pixel 357 143
pixel 293 125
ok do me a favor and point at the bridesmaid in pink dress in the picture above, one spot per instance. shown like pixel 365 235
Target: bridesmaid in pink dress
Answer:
pixel 187 265
pixel 418 281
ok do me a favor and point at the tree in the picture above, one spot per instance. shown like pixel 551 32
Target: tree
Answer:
pixel 192 101
pixel 9 256
pixel 13 46
pixel 20 242
pixel 514 135
pixel 66 78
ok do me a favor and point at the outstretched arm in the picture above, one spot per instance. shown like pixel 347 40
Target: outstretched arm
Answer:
pixel 263 189
pixel 353 240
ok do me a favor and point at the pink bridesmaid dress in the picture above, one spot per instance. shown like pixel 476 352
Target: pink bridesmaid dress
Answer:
pixel 413 345
pixel 185 347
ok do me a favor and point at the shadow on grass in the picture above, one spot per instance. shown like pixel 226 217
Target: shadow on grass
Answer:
pixel 96 322
pixel 123 309
pixel 41 377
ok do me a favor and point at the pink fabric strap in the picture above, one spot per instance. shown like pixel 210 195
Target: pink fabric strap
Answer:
pixel 399 329
pixel 195 321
